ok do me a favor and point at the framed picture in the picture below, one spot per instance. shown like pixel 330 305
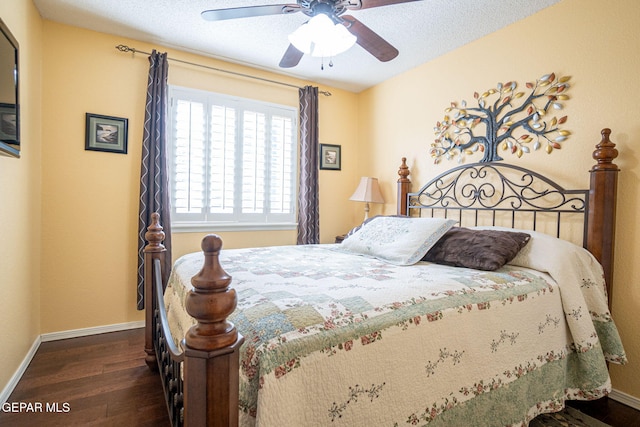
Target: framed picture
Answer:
pixel 330 157
pixel 105 133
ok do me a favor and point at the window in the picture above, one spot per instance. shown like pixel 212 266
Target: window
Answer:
pixel 232 162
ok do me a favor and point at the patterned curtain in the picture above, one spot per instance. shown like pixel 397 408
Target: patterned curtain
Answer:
pixel 154 182
pixel 308 195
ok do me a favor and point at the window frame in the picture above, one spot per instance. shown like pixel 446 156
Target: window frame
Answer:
pixel 235 221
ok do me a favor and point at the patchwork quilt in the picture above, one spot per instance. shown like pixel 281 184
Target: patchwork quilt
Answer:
pixel 333 338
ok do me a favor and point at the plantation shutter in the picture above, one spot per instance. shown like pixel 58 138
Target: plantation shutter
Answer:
pixel 234 161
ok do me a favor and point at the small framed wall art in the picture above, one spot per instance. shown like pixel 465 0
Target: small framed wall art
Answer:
pixel 330 157
pixel 105 133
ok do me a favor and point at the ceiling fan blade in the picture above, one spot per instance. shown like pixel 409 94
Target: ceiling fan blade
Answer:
pixel 369 40
pixel 291 57
pixel 368 4
pixel 249 11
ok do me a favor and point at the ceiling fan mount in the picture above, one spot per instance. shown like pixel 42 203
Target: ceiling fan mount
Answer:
pixel 334 9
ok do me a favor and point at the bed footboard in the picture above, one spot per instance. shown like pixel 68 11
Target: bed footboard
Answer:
pixel 201 382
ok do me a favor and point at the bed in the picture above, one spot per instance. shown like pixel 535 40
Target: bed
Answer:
pixel 467 307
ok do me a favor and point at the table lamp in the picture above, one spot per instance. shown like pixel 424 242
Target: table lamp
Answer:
pixel 368 191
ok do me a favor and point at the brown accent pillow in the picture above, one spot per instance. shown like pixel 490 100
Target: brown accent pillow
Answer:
pixel 479 249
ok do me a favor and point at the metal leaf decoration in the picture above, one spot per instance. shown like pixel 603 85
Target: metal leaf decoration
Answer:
pixel 517 121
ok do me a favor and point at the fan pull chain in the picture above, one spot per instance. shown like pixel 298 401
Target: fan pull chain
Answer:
pixel 322 63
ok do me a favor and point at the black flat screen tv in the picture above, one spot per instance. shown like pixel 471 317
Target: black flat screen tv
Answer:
pixel 9 100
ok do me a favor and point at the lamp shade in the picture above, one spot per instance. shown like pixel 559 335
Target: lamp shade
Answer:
pixel 368 191
pixel 320 37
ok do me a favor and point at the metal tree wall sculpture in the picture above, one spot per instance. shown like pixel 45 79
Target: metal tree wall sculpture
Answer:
pixel 516 121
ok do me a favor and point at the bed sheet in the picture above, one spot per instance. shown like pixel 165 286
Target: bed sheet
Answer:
pixel 333 338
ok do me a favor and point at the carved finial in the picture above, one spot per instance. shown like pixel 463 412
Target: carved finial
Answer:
pixel 403 171
pixel 605 152
pixel 211 243
pixel 211 301
pixel 154 234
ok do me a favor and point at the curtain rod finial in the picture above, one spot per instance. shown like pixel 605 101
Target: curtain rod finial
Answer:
pixel 124 48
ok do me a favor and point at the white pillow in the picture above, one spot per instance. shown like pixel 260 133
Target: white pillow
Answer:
pixel 397 240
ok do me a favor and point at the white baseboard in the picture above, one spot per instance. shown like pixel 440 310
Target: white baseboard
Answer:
pixel 625 398
pixel 54 336
pixel 75 333
pixel 13 382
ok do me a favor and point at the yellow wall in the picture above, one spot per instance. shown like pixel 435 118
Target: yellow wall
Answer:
pixel 20 201
pixel 90 198
pixel 593 41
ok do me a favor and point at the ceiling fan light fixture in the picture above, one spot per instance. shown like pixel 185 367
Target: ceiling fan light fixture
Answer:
pixel 320 37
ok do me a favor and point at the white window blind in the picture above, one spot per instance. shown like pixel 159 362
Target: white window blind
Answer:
pixel 232 162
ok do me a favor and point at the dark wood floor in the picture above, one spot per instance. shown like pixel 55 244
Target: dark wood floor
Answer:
pixel 609 411
pixel 102 380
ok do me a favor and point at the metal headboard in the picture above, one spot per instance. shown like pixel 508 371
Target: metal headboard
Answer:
pixel 501 192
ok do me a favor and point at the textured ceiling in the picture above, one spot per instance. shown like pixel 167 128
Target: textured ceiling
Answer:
pixel 421 31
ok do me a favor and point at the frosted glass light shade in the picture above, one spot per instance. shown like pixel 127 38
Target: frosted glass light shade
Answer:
pixel 320 37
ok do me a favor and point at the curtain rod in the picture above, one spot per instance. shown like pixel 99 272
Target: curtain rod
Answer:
pixel 124 48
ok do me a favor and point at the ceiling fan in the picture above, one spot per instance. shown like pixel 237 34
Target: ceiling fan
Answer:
pixel 334 9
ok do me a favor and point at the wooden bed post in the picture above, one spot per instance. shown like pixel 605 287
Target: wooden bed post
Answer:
pixel 602 206
pixel 211 363
pixel 154 250
pixel 404 186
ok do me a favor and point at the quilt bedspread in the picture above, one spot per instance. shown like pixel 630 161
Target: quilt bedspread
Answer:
pixel 333 338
